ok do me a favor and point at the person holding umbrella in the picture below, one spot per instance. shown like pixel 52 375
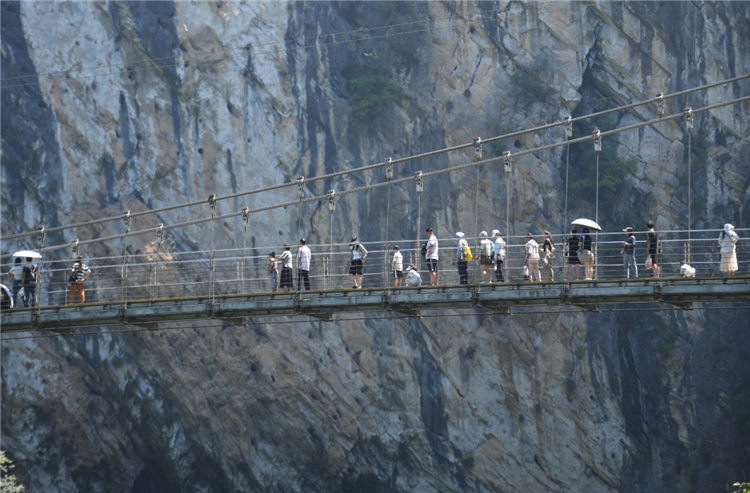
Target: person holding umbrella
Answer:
pixel 588 256
pixel 16 275
pixel 28 280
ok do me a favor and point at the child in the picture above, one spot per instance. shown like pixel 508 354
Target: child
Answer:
pixel 413 279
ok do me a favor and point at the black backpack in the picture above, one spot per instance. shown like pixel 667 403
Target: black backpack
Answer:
pixel 31 272
pixel 424 250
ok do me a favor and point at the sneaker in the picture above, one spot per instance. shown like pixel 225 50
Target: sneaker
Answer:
pixel 355 287
pixel 358 287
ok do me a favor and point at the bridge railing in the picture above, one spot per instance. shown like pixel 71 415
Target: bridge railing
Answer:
pixel 201 275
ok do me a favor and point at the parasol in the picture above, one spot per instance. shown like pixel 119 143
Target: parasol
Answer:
pixel 586 223
pixel 28 253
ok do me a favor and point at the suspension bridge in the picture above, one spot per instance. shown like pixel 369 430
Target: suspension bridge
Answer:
pixel 159 287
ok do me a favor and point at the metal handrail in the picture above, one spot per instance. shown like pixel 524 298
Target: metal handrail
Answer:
pixel 235 271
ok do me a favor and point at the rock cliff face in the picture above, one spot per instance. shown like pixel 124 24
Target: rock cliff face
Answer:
pixel 217 97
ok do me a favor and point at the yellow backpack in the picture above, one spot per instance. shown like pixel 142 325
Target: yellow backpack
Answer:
pixel 467 252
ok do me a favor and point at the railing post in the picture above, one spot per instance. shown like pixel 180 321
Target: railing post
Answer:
pixel 331 208
pixel 418 179
pixel 211 277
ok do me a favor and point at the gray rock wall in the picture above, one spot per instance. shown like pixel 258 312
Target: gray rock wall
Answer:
pixel 217 97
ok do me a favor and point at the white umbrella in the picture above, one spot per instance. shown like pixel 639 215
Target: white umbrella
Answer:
pixel 28 253
pixel 586 223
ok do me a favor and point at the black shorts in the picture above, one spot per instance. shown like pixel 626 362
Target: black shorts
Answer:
pixel 399 274
pixel 653 257
pixel 484 260
pixel 355 268
pixel 286 277
pixel 432 265
pixel 574 260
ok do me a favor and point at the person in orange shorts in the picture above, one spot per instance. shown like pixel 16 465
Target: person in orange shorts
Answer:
pixel 78 273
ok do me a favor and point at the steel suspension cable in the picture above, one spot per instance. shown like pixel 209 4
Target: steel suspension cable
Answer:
pixel 378 165
pixel 403 180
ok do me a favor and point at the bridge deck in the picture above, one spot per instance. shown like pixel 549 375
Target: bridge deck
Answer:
pixel 323 304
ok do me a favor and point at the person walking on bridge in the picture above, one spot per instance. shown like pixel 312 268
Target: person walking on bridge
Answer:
pixel 28 279
pixel 485 257
pixel 397 266
pixel 727 240
pixel 652 246
pixel 16 275
pixel 78 273
pixel 574 242
pixel 304 256
pixel 461 262
pixel 286 269
pixel 628 252
pixel 547 255
pixel 532 258
pixel 432 256
pixel 587 255
pixel 498 253
pixel 359 254
pixel 273 272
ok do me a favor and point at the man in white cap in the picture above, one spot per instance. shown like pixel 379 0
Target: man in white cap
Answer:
pixel 463 274
pixel 498 253
pixel 485 257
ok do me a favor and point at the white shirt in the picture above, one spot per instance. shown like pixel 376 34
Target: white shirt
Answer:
pixel 727 243
pixel 303 257
pixel 532 249
pixel 687 271
pixel 432 243
pixel 398 261
pixel 286 259
pixel 359 252
pixel 17 272
pixel 413 278
pixel 486 246
pixel 461 249
pixel 499 248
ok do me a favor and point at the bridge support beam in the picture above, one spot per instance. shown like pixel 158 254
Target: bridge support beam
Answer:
pixel 684 306
pixel 407 312
pixel 589 307
pixel 324 316
pixel 502 310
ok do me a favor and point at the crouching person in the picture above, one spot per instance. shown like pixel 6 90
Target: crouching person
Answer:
pixel 413 279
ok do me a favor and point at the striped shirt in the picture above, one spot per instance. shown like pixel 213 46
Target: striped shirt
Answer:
pixel 80 271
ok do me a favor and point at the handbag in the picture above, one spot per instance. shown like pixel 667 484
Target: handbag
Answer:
pixel 649 263
pixel 525 272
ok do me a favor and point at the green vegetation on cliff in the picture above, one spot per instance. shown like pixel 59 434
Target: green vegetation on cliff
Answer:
pixel 8 482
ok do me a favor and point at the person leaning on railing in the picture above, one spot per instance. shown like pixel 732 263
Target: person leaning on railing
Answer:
pixel 286 269
pixel 628 254
pixel 78 273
